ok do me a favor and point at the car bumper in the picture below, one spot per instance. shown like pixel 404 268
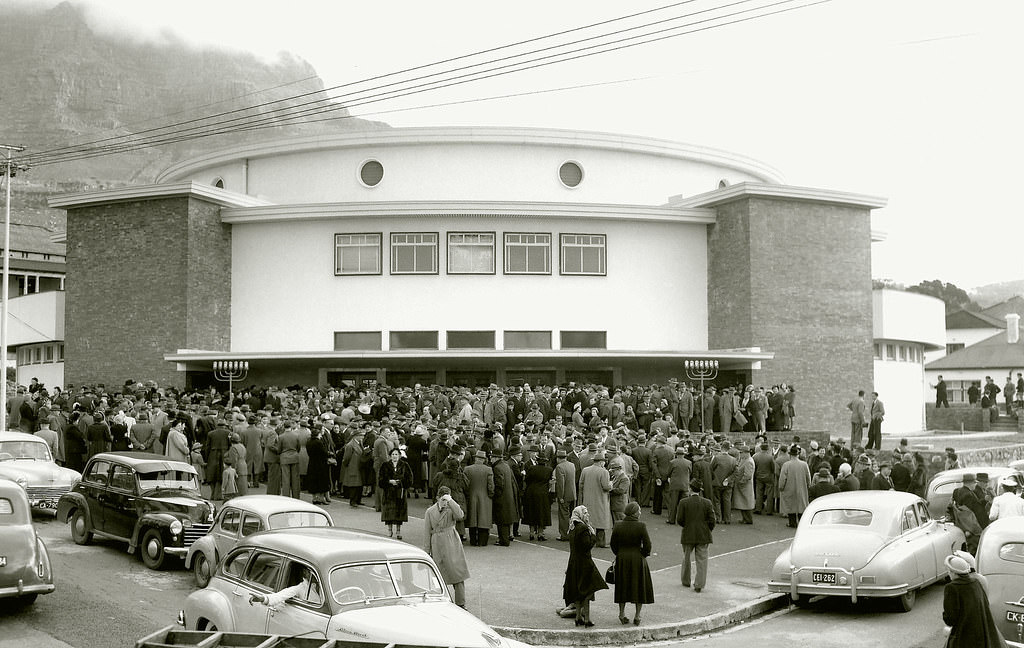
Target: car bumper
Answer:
pixel 849 584
pixel 176 551
pixel 21 589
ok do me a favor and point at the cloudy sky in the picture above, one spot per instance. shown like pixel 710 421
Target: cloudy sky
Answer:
pixel 918 101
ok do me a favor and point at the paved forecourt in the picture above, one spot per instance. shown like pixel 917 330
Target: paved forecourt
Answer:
pixel 518 589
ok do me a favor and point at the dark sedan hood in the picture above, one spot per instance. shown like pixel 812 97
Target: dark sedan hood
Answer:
pixel 178 502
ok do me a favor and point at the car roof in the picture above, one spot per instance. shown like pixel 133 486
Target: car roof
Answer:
pixel 958 473
pixel 871 500
pixel 145 461
pixel 1011 528
pixel 330 546
pixel 271 504
pixel 20 436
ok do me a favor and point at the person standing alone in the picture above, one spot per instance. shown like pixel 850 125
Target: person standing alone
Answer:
pixel 697 517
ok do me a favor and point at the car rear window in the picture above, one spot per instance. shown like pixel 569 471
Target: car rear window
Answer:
pixel 6 508
pixel 851 517
pixel 947 488
pixel 298 519
pixel 1012 551
pixel 26 449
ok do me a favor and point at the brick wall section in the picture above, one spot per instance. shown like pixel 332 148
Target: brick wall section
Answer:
pixel 794 278
pixel 144 278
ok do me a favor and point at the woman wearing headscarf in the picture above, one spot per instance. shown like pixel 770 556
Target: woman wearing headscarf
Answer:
pixel 394 478
pixel 582 579
pixel 631 545
pixel 444 543
pixel 965 609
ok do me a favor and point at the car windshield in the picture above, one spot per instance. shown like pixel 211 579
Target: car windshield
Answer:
pixel 359 583
pixel 34 450
pixel 173 479
pixel 290 519
pixel 852 517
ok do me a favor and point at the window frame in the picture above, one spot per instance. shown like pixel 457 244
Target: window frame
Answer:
pixel 506 346
pixel 562 255
pixel 437 341
pixel 339 272
pixel 489 347
pixel 506 257
pixel 561 340
pixel 394 248
pixel 448 251
pixel 380 340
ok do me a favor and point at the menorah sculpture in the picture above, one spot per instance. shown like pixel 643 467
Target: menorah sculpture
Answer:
pixel 701 370
pixel 229 371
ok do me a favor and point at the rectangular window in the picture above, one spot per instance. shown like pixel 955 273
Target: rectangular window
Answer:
pixel 903 353
pixel 471 253
pixel 414 253
pixel 954 346
pixel 527 339
pixel 356 254
pixel 878 351
pixel 583 254
pixel 413 340
pixel 470 339
pixel 37 355
pixel 60 353
pixel 527 253
pixel 49 353
pixel 357 341
pixel 890 351
pixel 584 340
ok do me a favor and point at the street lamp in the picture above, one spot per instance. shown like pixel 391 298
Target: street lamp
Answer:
pixel 230 371
pixel 8 174
pixel 701 370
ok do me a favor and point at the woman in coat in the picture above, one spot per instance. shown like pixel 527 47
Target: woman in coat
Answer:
pixel 965 609
pixel 631 545
pixel 444 543
pixel 98 434
pixel 536 501
pixel 582 579
pixel 176 447
pixel 237 454
pixel 394 478
pixel 318 474
pixel 351 469
pixel 452 476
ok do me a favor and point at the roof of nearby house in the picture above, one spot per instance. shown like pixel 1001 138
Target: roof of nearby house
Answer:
pixel 992 352
pixel 965 319
pixel 999 311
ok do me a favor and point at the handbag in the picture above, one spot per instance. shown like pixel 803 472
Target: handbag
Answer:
pixel 964 518
pixel 742 420
pixel 609 575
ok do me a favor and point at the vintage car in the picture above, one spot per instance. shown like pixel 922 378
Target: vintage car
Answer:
pixel 1001 561
pixel 146 500
pixel 861 544
pixel 942 485
pixel 25 570
pixel 26 459
pixel 357 587
pixel 241 517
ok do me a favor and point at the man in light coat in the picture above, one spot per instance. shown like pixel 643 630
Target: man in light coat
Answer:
pixel 794 483
pixel 743 485
pixel 565 492
pixel 595 484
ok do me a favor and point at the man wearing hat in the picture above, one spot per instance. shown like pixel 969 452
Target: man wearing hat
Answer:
pixel 1008 503
pixel 661 459
pixel 507 500
pixel 743 485
pixel 883 480
pixel 723 464
pixel 865 475
pixel 478 499
pixel 565 492
pixel 595 485
pixel 821 484
pixel 966 609
pixel 644 482
pixel 697 517
pixel 966 496
pixel 678 482
pixel 794 484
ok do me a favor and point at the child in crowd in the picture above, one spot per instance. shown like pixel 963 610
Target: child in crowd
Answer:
pixel 196 458
pixel 229 480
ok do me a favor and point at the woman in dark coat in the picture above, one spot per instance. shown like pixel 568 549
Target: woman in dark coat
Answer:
pixel 536 501
pixel 631 545
pixel 395 477
pixel 582 579
pixel 98 434
pixel 318 473
pixel 965 609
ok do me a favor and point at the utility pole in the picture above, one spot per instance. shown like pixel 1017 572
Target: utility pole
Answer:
pixel 8 174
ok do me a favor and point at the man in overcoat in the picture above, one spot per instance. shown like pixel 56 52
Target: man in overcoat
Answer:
pixel 506 500
pixel 479 500
pixel 595 484
pixel 565 492
pixel 697 517
pixel 723 464
pixel 794 482
pixel 678 482
pixel 743 485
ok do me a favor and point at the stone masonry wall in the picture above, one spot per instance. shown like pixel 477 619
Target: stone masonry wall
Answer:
pixel 809 294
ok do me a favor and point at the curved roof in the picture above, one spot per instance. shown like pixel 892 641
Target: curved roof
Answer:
pixel 477 135
pixel 271 504
pixel 146 461
pixel 330 546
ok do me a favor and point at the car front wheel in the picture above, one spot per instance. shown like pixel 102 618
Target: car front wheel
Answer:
pixel 152 549
pixel 906 601
pixel 80 532
pixel 201 568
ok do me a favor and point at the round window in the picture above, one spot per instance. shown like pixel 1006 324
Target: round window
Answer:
pixel 371 173
pixel 571 174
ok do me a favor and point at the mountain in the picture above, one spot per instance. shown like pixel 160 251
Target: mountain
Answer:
pixel 65 84
pixel 994 293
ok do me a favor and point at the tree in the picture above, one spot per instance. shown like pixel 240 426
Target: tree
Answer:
pixel 955 298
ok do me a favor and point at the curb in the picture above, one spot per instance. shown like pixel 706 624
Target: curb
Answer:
pixel 665 631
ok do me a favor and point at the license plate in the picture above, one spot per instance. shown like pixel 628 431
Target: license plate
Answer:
pixel 823 577
pixel 46 504
pixel 1014 617
pixel 3 561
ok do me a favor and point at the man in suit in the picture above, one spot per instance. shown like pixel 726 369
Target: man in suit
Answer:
pixel 662 457
pixel 479 498
pixel 565 492
pixel 697 517
pixel 877 411
pixel 722 467
pixel 678 482
pixel 858 417
pixel 646 468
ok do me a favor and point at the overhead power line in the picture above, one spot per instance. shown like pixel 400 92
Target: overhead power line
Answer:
pixel 498 67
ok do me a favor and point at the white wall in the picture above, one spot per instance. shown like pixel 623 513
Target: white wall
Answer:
pixel 901 315
pixel 50 374
pixel 285 296
pixel 898 386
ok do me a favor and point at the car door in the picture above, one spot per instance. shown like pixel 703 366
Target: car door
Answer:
pixel 919 543
pixel 939 539
pixel 306 614
pixel 225 534
pixel 119 510
pixel 262 576
pixel 93 488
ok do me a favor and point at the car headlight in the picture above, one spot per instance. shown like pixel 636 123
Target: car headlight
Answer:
pixel 176 527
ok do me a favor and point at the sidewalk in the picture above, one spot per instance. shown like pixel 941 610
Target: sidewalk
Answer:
pixel 518 589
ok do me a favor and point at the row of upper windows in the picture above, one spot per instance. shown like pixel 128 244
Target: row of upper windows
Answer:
pixel 470 253
pixel 898 352
pixel 514 340
pixel 40 354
